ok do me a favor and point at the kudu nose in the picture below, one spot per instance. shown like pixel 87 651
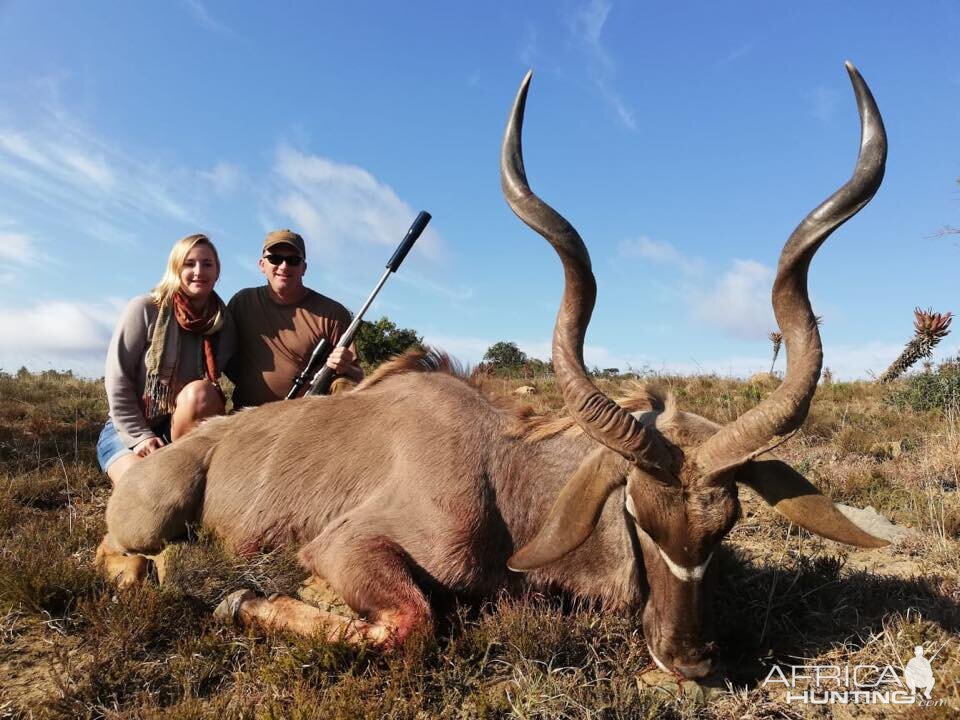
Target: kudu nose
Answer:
pixel 695 670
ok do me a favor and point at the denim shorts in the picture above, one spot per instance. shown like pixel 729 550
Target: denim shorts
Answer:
pixel 111 448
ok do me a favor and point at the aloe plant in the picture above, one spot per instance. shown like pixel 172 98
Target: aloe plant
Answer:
pixel 929 329
pixel 776 338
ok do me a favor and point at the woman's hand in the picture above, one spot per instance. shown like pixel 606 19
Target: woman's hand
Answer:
pixel 145 447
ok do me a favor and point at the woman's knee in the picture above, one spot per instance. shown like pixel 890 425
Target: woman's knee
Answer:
pixel 118 467
pixel 200 399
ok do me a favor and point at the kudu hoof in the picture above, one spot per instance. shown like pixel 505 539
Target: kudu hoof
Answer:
pixel 122 571
pixel 228 611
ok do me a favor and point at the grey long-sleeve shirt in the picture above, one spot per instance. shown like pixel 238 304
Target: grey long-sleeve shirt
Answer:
pixel 125 374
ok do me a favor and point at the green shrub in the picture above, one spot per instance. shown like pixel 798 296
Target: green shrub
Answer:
pixel 937 390
pixel 381 340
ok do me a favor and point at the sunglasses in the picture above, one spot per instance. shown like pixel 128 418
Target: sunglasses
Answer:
pixel 291 260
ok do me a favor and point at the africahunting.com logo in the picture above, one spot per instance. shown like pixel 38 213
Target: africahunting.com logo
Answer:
pixel 911 684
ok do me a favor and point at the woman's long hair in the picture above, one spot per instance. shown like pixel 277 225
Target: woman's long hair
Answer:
pixel 170 282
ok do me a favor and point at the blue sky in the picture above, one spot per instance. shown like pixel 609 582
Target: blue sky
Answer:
pixel 685 141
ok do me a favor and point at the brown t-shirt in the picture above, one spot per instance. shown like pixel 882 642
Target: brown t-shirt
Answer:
pixel 275 341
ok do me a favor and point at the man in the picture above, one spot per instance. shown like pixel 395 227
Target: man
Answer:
pixel 279 324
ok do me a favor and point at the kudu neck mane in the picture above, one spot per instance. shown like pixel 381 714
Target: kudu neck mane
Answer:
pixel 605 567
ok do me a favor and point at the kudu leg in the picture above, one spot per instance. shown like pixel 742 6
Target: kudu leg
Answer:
pixel 371 573
pixel 280 612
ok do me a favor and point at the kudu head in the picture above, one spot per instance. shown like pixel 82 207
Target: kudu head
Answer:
pixel 681 471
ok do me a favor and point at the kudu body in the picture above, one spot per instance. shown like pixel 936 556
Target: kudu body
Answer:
pixel 415 484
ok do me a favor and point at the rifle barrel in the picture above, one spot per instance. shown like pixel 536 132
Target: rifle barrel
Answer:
pixel 321 380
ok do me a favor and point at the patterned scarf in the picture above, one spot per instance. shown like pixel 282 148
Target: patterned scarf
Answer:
pixel 163 376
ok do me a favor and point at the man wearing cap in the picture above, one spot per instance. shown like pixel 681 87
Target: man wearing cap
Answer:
pixel 279 324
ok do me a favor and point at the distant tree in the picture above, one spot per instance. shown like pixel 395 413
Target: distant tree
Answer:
pixel 535 366
pixel 381 340
pixel 606 373
pixel 505 356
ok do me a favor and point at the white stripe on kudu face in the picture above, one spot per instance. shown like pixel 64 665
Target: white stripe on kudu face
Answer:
pixel 686 574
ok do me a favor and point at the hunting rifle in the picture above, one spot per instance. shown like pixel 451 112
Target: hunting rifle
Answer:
pixel 322 377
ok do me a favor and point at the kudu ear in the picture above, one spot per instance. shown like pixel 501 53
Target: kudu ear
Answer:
pixel 575 513
pixel 796 498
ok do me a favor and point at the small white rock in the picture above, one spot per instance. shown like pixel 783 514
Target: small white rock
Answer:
pixel 869 520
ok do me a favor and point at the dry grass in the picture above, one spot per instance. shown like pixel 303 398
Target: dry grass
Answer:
pixel 70 647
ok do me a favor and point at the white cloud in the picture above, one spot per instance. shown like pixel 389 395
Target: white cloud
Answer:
pixel 599 357
pixel 18 248
pixel 58 169
pixel 540 349
pixel 225 177
pixel 736 304
pixel 824 102
pixel 586 26
pixel 467 350
pixel 660 252
pixel 107 232
pixel 849 362
pixel 624 113
pixel 205 19
pixel 739 304
pixel 735 54
pixel 17 145
pixel 337 205
pixel 593 355
pixel 470 350
pixel 846 362
pixel 528 50
pixel 58 334
pixel 89 168
pixel 742 366
pixel 421 282
pixel 58 325
pixel 308 221
pixel 71 164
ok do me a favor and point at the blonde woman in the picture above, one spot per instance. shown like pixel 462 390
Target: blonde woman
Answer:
pixel 163 364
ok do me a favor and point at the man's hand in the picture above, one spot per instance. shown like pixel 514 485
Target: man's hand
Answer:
pixel 344 363
pixel 341 360
pixel 145 447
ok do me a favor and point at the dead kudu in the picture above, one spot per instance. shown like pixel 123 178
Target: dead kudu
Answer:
pixel 415 484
